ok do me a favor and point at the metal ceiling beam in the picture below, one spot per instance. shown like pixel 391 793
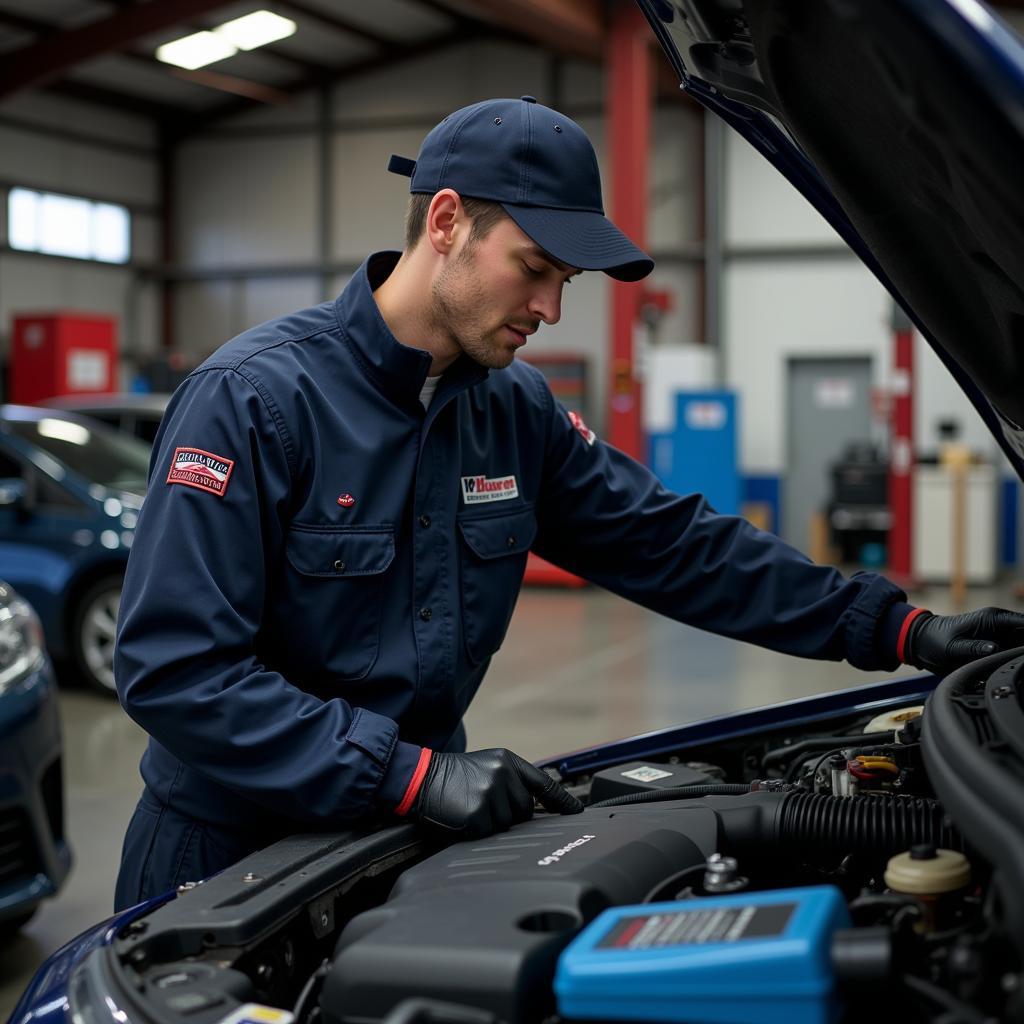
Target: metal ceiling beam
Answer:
pixel 126 103
pixel 59 52
pixel 26 23
pixel 209 79
pixel 212 80
pixel 281 54
pixel 255 91
pixel 341 24
pixel 565 27
pixel 569 26
pixel 396 55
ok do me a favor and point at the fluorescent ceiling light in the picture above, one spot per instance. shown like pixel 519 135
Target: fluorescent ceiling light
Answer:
pixel 256 29
pixel 196 50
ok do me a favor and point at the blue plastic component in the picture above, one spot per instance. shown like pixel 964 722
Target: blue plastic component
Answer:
pixel 750 957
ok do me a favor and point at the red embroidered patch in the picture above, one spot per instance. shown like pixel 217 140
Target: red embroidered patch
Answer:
pixel 585 432
pixel 202 470
pixel 346 500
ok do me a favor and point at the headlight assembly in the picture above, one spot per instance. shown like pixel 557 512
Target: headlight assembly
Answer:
pixel 21 638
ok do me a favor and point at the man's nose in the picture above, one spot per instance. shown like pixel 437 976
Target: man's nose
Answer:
pixel 546 304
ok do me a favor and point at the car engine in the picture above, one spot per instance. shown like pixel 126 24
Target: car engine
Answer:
pixel 867 863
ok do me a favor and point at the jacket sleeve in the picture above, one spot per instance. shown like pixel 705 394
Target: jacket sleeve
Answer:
pixel 607 518
pixel 194 596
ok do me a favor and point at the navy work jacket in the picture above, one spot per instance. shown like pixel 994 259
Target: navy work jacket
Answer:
pixel 322 570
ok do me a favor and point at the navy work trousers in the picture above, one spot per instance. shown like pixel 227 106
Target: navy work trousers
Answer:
pixel 163 849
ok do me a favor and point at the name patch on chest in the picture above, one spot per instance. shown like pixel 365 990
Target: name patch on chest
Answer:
pixel 196 468
pixel 477 489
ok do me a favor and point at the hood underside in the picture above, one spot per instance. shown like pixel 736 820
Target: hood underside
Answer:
pixel 908 118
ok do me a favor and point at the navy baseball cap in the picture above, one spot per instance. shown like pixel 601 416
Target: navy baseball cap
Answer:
pixel 540 166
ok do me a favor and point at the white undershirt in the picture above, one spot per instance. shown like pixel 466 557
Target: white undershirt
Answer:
pixel 428 389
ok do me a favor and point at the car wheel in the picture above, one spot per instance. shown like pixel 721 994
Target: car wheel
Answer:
pixel 93 627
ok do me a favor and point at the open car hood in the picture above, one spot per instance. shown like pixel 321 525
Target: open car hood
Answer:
pixel 903 124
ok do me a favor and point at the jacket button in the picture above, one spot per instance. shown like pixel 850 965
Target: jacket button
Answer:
pixel 339 566
pixel 424 521
pixel 511 542
pixel 425 614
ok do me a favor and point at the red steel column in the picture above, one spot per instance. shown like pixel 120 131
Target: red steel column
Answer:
pixel 901 470
pixel 629 117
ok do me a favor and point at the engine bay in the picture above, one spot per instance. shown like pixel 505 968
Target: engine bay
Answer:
pixel 799 874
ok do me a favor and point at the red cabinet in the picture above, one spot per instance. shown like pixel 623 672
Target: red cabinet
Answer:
pixel 62 354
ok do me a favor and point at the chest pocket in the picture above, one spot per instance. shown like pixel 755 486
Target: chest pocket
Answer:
pixel 492 562
pixel 335 582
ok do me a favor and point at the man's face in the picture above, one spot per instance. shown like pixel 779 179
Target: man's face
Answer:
pixel 495 292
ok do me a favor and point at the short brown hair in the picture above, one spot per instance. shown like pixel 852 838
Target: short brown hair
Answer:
pixel 482 212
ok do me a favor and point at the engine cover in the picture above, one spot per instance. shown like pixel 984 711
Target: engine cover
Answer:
pixel 482 924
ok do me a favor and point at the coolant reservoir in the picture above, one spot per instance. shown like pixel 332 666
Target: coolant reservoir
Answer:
pixel 932 875
pixel 925 871
pixel 890 721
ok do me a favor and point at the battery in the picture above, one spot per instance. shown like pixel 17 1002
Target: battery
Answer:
pixel 745 958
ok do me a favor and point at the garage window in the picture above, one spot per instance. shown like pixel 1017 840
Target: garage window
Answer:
pixel 61 225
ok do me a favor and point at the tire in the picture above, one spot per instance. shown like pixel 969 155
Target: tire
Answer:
pixel 93 626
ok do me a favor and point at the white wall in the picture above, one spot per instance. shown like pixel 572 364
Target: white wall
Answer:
pixel 775 308
pixel 246 202
pixel 78 166
pixel 252 200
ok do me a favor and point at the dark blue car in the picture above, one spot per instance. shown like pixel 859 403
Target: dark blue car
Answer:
pixel 70 493
pixel 34 855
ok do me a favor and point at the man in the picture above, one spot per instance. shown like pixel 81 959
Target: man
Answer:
pixel 340 508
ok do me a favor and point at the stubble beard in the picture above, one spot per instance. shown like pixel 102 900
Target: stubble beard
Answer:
pixel 457 302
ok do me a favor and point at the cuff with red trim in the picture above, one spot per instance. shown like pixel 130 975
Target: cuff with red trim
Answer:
pixel 418 775
pixel 402 765
pixel 895 628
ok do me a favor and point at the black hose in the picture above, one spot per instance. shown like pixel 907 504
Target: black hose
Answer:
pixel 822 824
pixel 864 739
pixel 692 791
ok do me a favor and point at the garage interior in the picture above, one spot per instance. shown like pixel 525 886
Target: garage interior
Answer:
pixel 256 185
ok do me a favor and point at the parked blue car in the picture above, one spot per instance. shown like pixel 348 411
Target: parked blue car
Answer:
pixel 70 494
pixel 34 855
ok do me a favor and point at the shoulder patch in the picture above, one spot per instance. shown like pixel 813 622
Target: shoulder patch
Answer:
pixel 202 470
pixel 585 432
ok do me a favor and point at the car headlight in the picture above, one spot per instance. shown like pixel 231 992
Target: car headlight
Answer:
pixel 21 638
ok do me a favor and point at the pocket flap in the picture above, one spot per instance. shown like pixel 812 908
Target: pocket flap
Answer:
pixel 495 536
pixel 348 551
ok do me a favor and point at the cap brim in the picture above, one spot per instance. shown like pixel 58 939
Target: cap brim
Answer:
pixel 583 239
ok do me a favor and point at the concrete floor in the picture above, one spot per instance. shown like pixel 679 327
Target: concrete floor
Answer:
pixel 577 668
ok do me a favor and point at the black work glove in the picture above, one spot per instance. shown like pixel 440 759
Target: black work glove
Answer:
pixel 941 643
pixel 486 791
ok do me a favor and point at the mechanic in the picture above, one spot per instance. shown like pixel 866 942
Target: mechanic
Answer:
pixel 340 506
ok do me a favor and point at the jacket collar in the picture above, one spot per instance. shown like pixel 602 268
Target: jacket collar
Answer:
pixel 397 370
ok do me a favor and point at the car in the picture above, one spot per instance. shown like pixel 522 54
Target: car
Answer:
pixel 70 494
pixel 859 854
pixel 130 412
pixel 35 858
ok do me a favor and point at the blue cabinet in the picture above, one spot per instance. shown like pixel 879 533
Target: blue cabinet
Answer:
pixel 700 454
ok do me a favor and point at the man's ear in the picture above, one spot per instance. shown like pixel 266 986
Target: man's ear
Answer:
pixel 446 220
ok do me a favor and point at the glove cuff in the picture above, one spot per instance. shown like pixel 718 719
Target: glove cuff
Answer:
pixel 418 775
pixel 901 642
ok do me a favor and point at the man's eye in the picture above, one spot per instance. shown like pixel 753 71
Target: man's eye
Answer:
pixel 533 271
